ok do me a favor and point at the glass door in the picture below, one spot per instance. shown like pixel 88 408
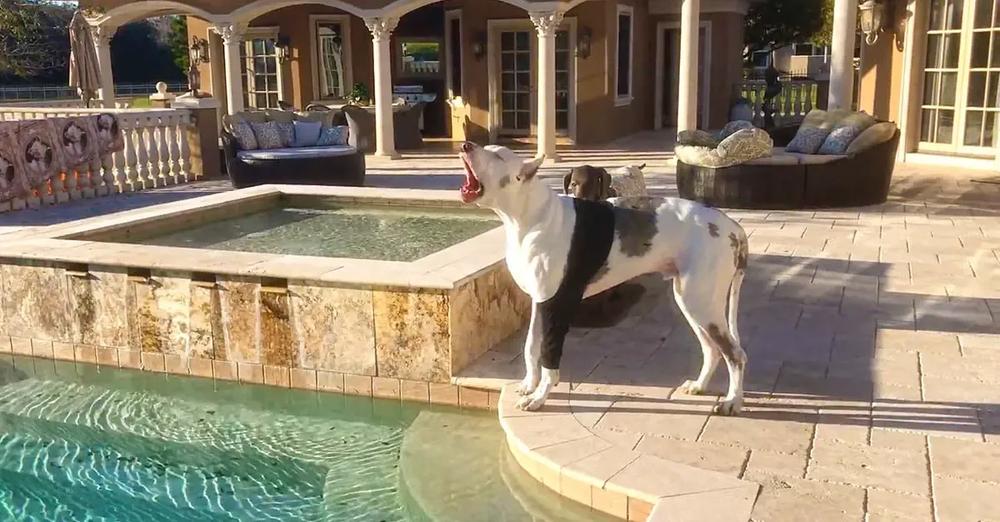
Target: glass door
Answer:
pixel 564 74
pixel 961 99
pixel 261 81
pixel 516 82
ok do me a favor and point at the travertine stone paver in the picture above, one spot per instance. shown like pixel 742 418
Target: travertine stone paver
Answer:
pixel 892 469
pixel 884 506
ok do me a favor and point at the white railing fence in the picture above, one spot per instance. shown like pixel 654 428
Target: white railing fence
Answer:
pixel 156 154
pixel 797 98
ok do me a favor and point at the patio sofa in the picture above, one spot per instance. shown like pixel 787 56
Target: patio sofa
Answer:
pixel 291 158
pixel 783 177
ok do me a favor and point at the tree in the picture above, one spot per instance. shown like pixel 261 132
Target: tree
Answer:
pixel 825 34
pixel 774 24
pixel 177 39
pixel 140 53
pixel 34 40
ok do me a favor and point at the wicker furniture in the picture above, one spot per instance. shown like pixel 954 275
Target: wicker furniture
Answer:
pixel 793 181
pixel 333 165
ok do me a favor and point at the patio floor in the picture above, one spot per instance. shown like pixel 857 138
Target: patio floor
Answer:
pixel 873 387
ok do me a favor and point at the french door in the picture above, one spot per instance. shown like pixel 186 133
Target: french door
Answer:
pixel 961 96
pixel 517 86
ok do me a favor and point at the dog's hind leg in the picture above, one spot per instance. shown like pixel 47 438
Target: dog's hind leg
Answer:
pixel 704 302
pixel 532 354
pixel 710 354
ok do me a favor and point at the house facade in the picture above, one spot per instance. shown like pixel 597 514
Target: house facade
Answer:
pixel 577 71
pixel 935 70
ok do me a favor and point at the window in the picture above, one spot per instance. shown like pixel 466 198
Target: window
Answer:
pixel 261 77
pixel 331 57
pixel 419 58
pixel 809 49
pixel 623 83
pixel 761 58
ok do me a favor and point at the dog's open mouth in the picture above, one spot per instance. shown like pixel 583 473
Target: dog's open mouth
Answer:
pixel 472 189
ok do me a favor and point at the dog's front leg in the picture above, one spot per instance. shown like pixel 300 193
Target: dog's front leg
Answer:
pixel 532 354
pixel 550 320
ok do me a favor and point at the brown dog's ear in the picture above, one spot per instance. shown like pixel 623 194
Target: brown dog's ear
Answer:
pixel 605 184
pixel 566 180
pixel 642 167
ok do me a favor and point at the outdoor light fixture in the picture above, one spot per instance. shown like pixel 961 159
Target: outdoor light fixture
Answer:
pixel 282 49
pixel 583 42
pixel 871 20
pixel 479 45
pixel 197 55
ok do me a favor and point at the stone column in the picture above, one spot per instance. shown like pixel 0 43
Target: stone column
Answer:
pixel 546 24
pixel 381 29
pixel 232 40
pixel 845 16
pixel 687 85
pixel 102 35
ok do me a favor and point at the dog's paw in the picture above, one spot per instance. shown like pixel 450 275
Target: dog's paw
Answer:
pixel 530 403
pixel 527 386
pixel 691 387
pixel 729 408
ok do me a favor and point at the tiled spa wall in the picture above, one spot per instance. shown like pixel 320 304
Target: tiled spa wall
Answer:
pixel 386 342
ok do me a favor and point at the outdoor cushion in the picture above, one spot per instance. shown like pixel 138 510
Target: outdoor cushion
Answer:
pixel 874 135
pixel 732 127
pixel 745 145
pixel 815 159
pixel 306 133
pixel 776 158
pixel 698 138
pixel 323 117
pixel 244 135
pixel 280 116
pixel 808 140
pixel 338 135
pixel 246 116
pixel 268 135
pixel 699 156
pixel 287 131
pixel 297 153
pixel 845 131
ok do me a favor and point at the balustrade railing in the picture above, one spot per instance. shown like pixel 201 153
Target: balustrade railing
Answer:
pixel 157 153
pixel 796 99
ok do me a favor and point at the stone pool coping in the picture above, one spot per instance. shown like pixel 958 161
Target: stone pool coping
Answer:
pixel 443 270
pixel 567 457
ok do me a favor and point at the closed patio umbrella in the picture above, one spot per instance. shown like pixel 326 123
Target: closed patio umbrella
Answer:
pixel 83 72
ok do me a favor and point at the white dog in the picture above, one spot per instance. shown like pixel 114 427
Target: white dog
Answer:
pixel 561 249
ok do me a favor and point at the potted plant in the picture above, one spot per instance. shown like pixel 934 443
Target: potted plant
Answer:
pixel 359 94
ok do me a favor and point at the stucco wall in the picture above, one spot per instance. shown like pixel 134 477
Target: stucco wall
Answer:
pixel 882 70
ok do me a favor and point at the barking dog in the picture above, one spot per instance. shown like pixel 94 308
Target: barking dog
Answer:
pixel 560 250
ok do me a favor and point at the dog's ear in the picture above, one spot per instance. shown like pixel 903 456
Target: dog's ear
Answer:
pixel 605 184
pixel 566 179
pixel 530 168
pixel 642 167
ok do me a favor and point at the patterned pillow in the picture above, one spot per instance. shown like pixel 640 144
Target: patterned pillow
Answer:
pixel 808 140
pixel 734 126
pixel 287 130
pixel 244 135
pixel 268 135
pixel 745 145
pixel 698 156
pixel 699 138
pixel 874 135
pixel 845 131
pixel 334 136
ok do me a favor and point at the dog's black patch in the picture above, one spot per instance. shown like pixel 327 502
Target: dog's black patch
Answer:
pixel 635 224
pixel 713 230
pixel 740 251
pixel 589 246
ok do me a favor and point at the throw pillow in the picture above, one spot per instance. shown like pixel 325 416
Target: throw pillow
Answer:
pixel 306 133
pixel 287 131
pixel 745 145
pixel 697 137
pixel 334 136
pixel 845 131
pixel 323 117
pixel 808 140
pixel 698 156
pixel 874 135
pixel 815 118
pixel 734 126
pixel 280 116
pixel 244 135
pixel 268 135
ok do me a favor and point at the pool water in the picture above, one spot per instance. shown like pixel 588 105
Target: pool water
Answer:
pixel 78 442
pixel 387 233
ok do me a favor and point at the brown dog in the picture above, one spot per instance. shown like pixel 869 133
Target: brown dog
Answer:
pixel 590 183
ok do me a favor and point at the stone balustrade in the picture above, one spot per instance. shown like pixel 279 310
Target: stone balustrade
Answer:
pixel 157 153
pixel 797 98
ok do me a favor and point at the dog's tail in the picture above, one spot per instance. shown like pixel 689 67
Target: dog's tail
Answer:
pixel 734 304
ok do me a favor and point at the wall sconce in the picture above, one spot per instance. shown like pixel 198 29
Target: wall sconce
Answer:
pixel 872 14
pixel 282 49
pixel 479 45
pixel 583 42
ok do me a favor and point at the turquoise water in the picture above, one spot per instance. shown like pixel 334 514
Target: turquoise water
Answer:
pixel 82 443
pixel 358 232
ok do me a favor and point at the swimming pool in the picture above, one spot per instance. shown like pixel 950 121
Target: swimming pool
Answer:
pixel 78 442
